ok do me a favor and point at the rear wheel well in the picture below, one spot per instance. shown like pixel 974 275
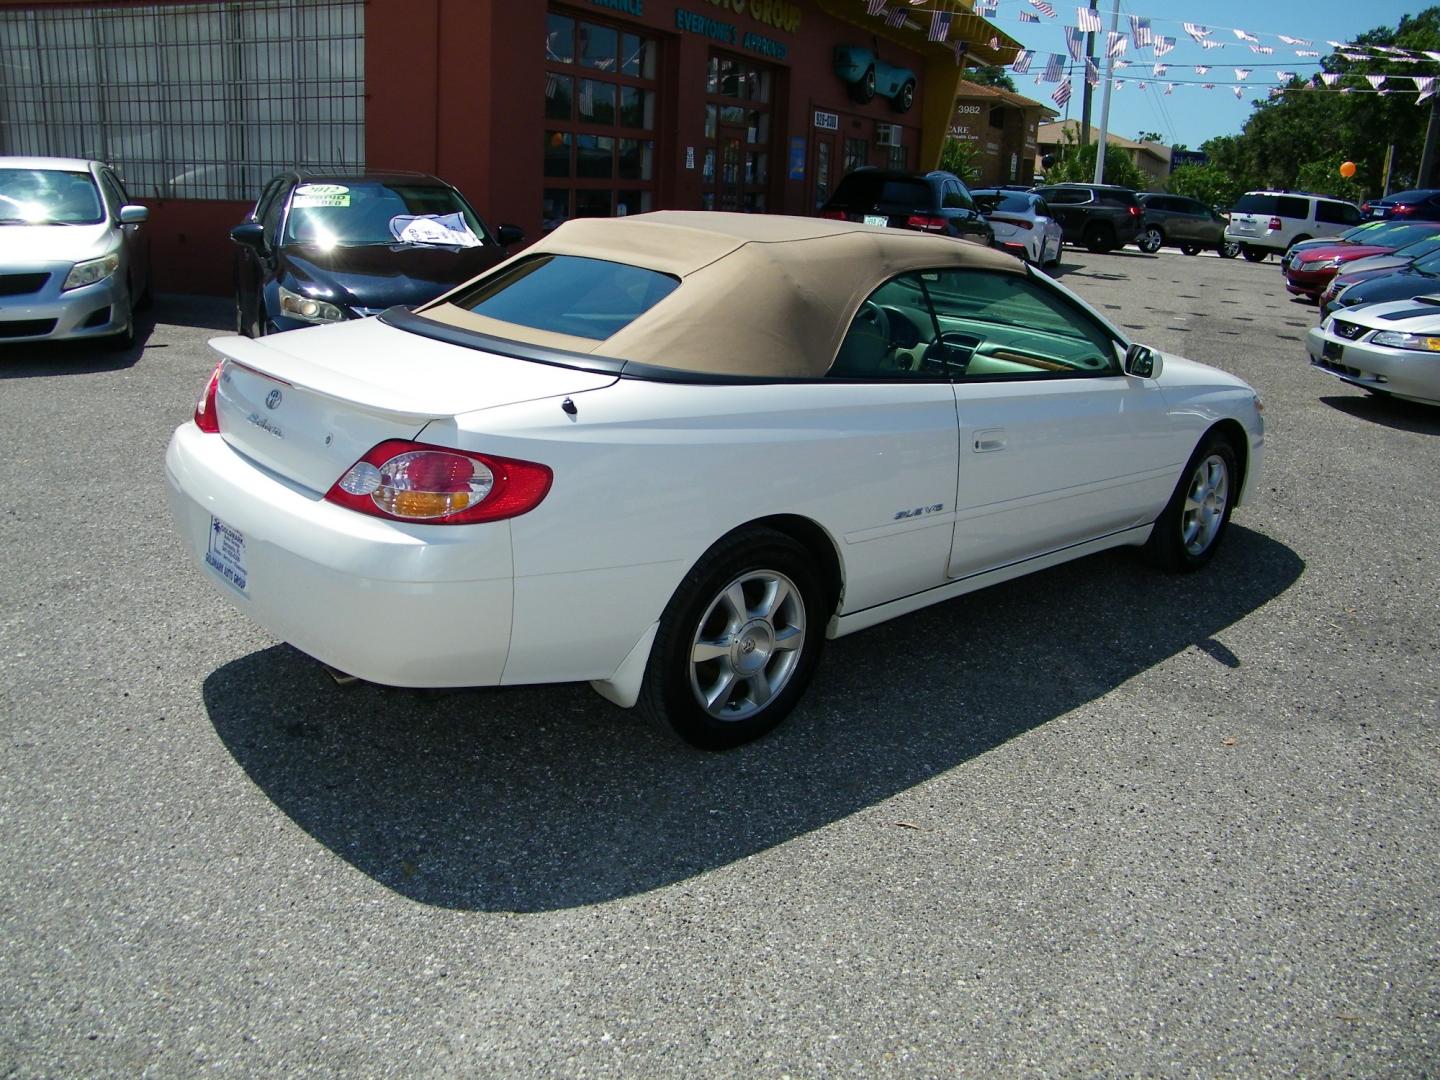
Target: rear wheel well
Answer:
pixel 816 541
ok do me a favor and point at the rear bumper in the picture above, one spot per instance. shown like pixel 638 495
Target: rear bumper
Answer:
pixel 402 605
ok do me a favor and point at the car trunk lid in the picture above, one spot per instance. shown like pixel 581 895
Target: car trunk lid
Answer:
pixel 308 404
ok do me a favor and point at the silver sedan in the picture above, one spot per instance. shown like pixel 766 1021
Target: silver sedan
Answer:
pixel 74 256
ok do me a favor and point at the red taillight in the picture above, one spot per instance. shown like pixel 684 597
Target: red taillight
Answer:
pixel 1275 223
pixel 1365 208
pixel 833 215
pixel 1135 211
pixel 926 223
pixel 1401 209
pixel 1019 223
pixel 205 418
pixel 438 485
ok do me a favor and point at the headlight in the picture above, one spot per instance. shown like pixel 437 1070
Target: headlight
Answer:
pixel 91 271
pixel 1319 264
pixel 1397 339
pixel 307 308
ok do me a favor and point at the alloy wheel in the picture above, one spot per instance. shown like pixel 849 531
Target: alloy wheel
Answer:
pixel 1205 502
pixel 748 644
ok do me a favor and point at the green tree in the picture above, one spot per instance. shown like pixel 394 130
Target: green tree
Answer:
pixel 1150 137
pixel 962 158
pixel 1323 178
pixel 990 75
pixel 1209 184
pixel 1076 164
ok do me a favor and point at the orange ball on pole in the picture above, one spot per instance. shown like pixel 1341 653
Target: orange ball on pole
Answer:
pixel 1347 169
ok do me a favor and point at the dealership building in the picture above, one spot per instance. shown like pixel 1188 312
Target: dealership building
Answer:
pixel 537 112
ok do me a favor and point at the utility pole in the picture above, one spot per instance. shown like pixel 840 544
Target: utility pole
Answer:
pixel 1085 109
pixel 1105 100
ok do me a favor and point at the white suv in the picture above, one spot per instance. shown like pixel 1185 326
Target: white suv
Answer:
pixel 1266 221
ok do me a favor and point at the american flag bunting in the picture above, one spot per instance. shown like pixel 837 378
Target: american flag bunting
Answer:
pixel 1140 30
pixel 1061 94
pixel 1088 19
pixel 1044 7
pixel 1115 44
pixel 939 25
pixel 1054 67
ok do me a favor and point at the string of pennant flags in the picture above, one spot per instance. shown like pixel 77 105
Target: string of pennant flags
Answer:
pixel 1142 35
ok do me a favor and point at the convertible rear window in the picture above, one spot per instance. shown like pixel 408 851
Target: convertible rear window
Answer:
pixel 569 294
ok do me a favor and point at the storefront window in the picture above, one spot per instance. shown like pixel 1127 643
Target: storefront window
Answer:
pixel 857 155
pixel 601 101
pixel 735 174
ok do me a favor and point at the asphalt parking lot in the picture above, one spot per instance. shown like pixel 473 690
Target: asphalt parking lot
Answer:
pixel 1097 821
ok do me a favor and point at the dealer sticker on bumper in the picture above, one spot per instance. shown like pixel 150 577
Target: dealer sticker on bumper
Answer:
pixel 226 554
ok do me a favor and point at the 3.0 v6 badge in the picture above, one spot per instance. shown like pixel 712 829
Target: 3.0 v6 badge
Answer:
pixel 919 511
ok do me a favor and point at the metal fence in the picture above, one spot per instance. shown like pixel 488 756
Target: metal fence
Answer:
pixel 191 101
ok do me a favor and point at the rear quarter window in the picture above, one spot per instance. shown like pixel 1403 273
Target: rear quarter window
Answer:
pixel 568 294
pixel 1291 207
pixel 1257 204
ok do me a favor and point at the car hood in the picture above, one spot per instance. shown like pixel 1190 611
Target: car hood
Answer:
pixel 1178 372
pixel 1343 252
pixel 1374 264
pixel 1398 285
pixel 1413 315
pixel 54 243
pixel 381 275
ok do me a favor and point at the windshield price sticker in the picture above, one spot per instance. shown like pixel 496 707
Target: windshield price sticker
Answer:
pixel 321 195
pixel 226 554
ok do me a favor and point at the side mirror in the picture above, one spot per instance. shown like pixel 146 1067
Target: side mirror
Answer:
pixel 250 234
pixel 134 215
pixel 1143 362
pixel 510 234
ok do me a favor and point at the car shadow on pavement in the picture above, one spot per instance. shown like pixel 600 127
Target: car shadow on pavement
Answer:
pixel 1390 412
pixel 202 312
pixel 543 798
pixel 36 359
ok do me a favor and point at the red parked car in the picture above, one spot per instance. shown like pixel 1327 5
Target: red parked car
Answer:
pixel 1310 272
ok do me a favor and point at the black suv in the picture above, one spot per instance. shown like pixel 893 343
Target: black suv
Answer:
pixel 1100 216
pixel 936 202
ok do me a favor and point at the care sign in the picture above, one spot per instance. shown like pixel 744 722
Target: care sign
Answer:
pixel 321 195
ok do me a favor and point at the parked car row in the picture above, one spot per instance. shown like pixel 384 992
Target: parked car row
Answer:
pixel 316 248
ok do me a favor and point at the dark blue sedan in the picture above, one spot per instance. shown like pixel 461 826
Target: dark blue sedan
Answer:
pixel 321 248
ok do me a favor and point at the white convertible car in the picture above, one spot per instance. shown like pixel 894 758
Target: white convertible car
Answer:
pixel 671 454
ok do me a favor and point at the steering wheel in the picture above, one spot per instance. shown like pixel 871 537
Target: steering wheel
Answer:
pixel 872 313
pixel 948 354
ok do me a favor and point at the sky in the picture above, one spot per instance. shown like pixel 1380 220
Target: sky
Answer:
pixel 1190 115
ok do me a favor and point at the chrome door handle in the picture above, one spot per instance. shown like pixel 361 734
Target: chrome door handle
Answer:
pixel 987 441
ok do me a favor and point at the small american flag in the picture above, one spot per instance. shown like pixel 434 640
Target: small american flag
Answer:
pixel 1374 80
pixel 939 25
pixel 1263 50
pixel 875 7
pixel 1213 44
pixel 1089 19
pixel 1242 74
pixel 1196 31
pixel 1022 61
pixel 896 19
pixel 1243 36
pixel 1329 79
pixel 1238 92
pixel 1092 72
pixel 1207 86
pixel 1293 40
pixel 1286 76
pixel 1054 68
pixel 1306 52
pixel 1115 44
pixel 1163 45
pixel 1425 84
pixel 1061 94
pixel 1202 69
pixel 1029 16
pixel 1074 42
pixel 1044 7
pixel 1140 30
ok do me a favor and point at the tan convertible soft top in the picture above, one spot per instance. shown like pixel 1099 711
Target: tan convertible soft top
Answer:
pixel 758 295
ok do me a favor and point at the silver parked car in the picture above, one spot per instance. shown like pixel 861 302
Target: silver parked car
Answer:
pixel 1022 222
pixel 1185 223
pixel 74 255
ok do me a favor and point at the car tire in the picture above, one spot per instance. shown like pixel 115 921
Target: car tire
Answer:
pixel 1229 249
pixel 753 592
pixel 902 101
pixel 1253 254
pixel 1150 240
pixel 1190 249
pixel 864 89
pixel 1189 530
pixel 1099 238
pixel 124 339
